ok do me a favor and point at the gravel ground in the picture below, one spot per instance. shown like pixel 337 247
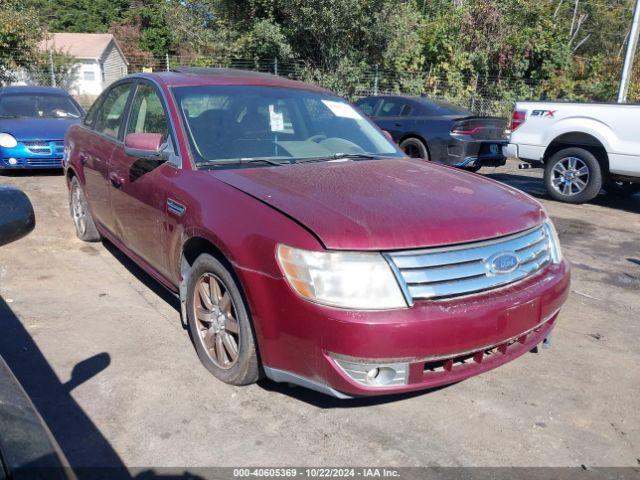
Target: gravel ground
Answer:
pixel 99 347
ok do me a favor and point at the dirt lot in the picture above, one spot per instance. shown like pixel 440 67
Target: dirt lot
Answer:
pixel 142 399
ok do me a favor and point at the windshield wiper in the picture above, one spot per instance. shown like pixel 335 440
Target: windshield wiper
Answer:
pixel 239 161
pixel 340 156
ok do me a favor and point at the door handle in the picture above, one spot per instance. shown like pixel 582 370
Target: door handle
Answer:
pixel 83 159
pixel 398 124
pixel 116 180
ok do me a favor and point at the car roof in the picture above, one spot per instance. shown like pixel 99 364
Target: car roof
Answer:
pixel 224 76
pixel 34 90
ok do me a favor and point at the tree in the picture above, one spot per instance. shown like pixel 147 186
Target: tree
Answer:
pixel 89 16
pixel 20 34
pixel 65 69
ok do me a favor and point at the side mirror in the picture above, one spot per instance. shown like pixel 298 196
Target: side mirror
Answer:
pixel 17 218
pixel 144 145
pixel 388 135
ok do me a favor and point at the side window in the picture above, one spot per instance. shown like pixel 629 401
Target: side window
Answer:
pixel 367 105
pixel 111 114
pixel 90 118
pixel 392 108
pixel 147 113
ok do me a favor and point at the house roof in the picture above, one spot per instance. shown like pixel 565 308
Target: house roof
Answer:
pixel 81 45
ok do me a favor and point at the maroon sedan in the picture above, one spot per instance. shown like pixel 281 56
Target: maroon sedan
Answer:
pixel 302 243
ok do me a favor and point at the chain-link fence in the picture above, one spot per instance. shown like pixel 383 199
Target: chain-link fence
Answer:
pixel 482 96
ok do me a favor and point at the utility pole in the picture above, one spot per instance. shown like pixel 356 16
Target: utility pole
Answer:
pixel 627 69
pixel 52 69
pixel 375 80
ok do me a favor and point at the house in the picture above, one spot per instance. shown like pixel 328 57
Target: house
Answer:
pixel 100 59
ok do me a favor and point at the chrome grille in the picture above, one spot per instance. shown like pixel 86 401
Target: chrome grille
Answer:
pixel 45 147
pixel 459 270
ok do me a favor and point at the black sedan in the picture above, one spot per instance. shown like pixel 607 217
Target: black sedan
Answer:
pixel 438 131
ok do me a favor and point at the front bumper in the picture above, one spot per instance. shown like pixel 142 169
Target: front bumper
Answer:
pixel 440 342
pixel 46 154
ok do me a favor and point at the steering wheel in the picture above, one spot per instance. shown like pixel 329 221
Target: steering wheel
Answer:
pixel 316 138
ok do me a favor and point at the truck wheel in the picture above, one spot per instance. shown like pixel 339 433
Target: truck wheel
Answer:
pixel 83 221
pixel 415 148
pixel 219 323
pixel 573 175
pixel 620 188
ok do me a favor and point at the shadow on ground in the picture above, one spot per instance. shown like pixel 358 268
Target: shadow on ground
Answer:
pixel 88 451
pixel 534 186
pixel 45 172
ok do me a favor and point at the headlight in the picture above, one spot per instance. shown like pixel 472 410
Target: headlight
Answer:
pixel 358 280
pixel 554 242
pixel 7 141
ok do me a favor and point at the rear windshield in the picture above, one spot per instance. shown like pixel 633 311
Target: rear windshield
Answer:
pixel 28 105
pixel 233 122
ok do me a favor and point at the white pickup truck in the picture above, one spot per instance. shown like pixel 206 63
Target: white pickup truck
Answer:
pixel 583 147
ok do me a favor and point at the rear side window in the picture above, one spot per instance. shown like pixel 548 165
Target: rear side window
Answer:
pixel 111 114
pixel 367 105
pixel 394 108
pixel 147 113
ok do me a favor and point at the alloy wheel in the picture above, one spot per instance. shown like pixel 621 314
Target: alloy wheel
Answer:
pixel 570 176
pixel 217 324
pixel 78 211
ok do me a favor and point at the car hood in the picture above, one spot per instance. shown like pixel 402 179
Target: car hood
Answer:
pixel 389 204
pixel 37 128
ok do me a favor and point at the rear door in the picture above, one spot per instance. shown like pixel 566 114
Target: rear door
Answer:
pixel 96 149
pixel 393 115
pixel 139 186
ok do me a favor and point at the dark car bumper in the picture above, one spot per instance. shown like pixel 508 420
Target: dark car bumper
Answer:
pixel 482 153
pixel 432 343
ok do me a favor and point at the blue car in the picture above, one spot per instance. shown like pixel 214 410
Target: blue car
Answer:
pixel 33 121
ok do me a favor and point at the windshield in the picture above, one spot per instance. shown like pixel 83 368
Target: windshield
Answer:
pixel 28 105
pixel 275 125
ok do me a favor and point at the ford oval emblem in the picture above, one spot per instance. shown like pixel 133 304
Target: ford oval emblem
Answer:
pixel 503 262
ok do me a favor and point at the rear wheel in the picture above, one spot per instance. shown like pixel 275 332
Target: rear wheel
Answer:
pixel 622 189
pixel 219 323
pixel 82 220
pixel 415 148
pixel 573 175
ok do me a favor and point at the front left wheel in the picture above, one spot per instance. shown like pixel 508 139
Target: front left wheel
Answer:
pixel 219 323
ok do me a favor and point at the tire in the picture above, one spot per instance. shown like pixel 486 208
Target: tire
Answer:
pixel 82 220
pixel 415 148
pixel 209 317
pixel 573 175
pixel 621 189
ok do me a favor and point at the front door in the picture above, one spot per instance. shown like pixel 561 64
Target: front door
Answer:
pixel 97 148
pixel 139 186
pixel 392 116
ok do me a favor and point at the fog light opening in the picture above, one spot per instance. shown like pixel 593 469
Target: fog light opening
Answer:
pixel 373 374
pixel 13 161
